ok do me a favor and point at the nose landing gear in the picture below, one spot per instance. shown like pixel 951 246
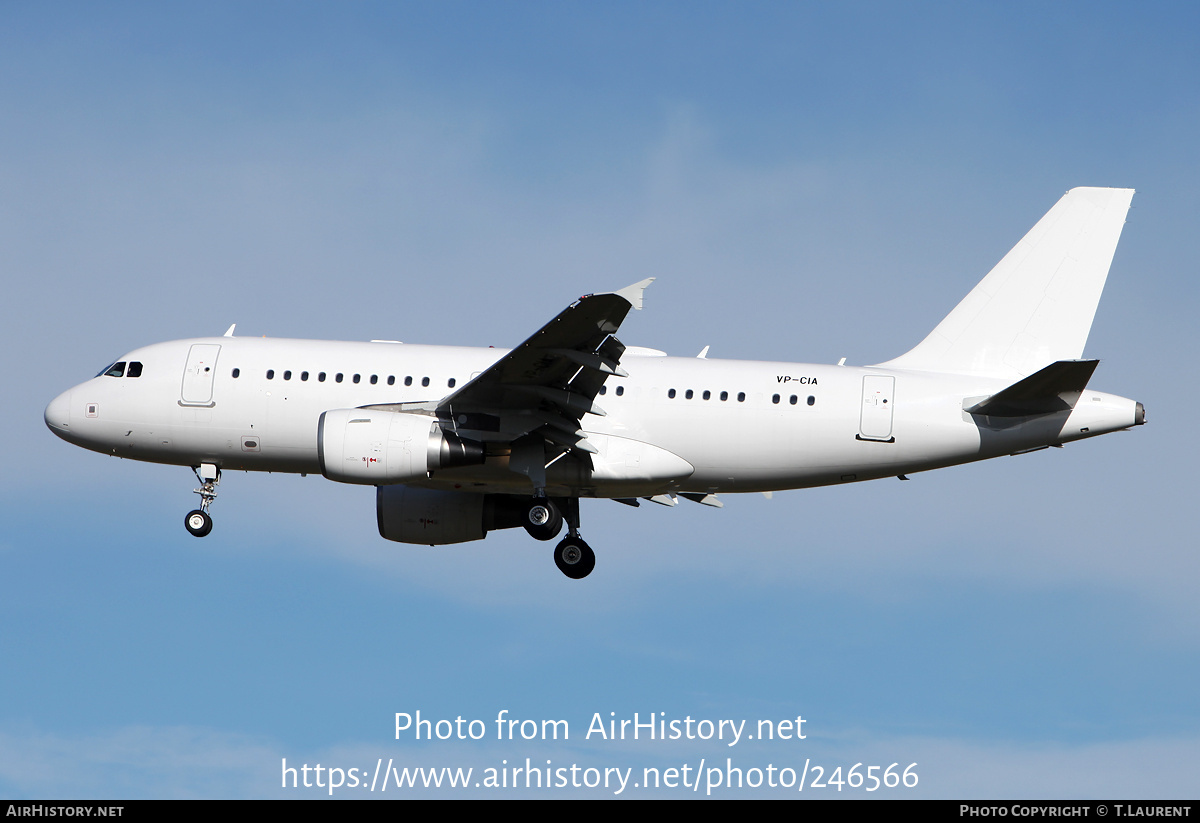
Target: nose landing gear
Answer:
pixel 198 521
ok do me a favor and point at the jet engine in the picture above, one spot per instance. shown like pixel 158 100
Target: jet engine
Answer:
pixel 375 447
pixel 434 517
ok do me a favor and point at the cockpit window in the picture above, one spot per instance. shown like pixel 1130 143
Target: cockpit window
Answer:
pixel 135 369
pixel 115 370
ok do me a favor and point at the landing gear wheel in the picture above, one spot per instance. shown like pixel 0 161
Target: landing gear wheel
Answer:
pixel 198 522
pixel 574 558
pixel 542 519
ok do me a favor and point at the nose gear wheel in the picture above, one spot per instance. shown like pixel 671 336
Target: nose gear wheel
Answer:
pixel 198 521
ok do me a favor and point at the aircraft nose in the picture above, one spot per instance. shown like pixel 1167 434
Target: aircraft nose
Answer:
pixel 58 414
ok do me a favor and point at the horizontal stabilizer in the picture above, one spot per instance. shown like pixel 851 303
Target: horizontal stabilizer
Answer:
pixel 1053 389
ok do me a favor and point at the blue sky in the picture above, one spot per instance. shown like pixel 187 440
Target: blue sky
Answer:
pixel 806 182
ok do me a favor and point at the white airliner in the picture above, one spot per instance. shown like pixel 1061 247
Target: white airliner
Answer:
pixel 461 441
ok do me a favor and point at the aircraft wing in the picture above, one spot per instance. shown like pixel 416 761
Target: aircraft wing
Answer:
pixel 545 385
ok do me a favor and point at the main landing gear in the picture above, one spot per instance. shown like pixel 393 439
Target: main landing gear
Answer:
pixel 543 519
pixel 198 521
pixel 574 558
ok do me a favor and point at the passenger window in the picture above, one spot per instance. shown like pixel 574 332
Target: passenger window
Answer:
pixel 337 378
pixel 688 394
pixel 408 381
pixel 357 377
pixel 793 399
pixel 116 370
pixel 236 372
pixel 287 375
pixel 303 375
pixel 604 389
pixel 671 393
pixel 811 400
pixel 391 379
pixel 620 390
pixel 774 398
pixel 374 379
pixel 724 396
pixel 135 369
pixel 321 377
pixel 270 374
pixel 424 381
pixel 741 397
pixel 450 383
pixel 707 394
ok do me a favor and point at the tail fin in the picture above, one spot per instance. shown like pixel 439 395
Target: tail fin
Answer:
pixel 1036 306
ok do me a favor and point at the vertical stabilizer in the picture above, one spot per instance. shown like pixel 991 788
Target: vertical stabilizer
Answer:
pixel 1036 306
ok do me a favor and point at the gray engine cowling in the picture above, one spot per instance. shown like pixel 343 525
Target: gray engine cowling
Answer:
pixel 434 517
pixel 375 447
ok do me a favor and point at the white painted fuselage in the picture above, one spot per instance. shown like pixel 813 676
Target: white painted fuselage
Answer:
pixel 739 425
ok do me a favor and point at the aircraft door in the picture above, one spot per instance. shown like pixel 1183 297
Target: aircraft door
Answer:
pixel 876 420
pixel 198 374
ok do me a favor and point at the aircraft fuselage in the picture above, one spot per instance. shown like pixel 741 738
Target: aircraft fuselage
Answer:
pixel 740 425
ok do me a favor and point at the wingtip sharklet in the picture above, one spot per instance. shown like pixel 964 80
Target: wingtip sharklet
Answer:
pixel 634 293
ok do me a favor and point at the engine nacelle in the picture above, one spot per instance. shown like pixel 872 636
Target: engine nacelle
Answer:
pixel 434 517
pixel 375 447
